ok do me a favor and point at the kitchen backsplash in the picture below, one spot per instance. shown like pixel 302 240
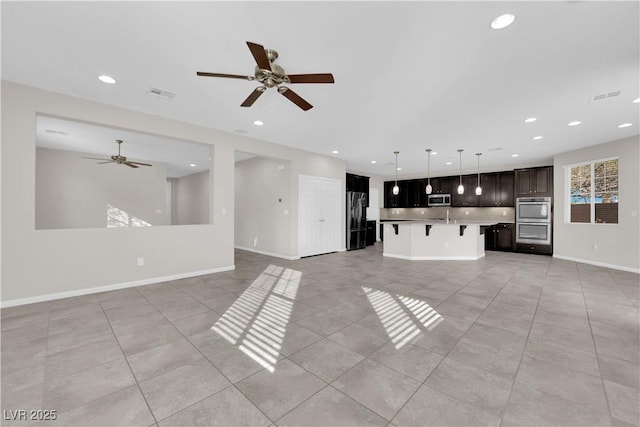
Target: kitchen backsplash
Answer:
pixel 494 214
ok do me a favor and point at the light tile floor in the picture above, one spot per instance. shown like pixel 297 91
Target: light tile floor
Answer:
pixel 341 339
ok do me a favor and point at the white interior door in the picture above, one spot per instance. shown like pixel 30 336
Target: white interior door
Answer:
pixel 319 214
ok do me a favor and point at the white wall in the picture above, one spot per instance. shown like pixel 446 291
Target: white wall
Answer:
pixel 191 193
pixel 616 245
pixel 36 263
pixel 72 192
pixel 263 221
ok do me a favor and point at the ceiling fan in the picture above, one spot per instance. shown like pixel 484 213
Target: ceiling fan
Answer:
pixel 118 159
pixel 272 75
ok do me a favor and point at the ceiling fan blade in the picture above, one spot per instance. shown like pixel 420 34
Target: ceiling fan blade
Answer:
pixel 130 164
pixel 295 98
pixel 311 78
pixel 102 163
pixel 259 55
pixel 252 97
pixel 94 158
pixel 139 163
pixel 227 76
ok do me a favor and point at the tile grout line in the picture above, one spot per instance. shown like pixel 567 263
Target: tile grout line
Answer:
pixel 524 348
pixel 424 383
pixel 604 390
pixel 124 355
pixel 231 383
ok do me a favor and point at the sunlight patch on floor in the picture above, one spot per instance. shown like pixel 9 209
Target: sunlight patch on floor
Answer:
pixel 257 321
pixel 403 318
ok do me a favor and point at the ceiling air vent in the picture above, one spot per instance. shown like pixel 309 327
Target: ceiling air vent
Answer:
pixel 57 132
pixel 161 93
pixel 603 96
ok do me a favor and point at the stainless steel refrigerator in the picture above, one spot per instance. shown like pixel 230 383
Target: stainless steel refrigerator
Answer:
pixel 356 220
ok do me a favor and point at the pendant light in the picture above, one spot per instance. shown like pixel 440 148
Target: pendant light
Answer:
pixel 396 189
pixel 460 187
pixel 428 189
pixel 478 188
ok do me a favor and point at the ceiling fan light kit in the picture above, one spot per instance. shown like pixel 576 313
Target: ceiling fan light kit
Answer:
pixel 272 75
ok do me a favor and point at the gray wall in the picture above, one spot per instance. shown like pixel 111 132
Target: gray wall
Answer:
pixel 38 263
pixel 614 245
pixel 72 192
pixel 191 194
pixel 263 219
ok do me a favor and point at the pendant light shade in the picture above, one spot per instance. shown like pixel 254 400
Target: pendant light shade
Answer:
pixel 460 187
pixel 478 188
pixel 396 189
pixel 428 189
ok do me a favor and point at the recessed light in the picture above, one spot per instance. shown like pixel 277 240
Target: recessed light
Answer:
pixel 433 153
pixel 449 163
pixel 335 152
pixel 373 162
pixel 536 138
pixel 625 125
pixel 107 79
pixel 399 169
pixel 635 101
pixel 258 123
pixel 530 119
pixel 574 123
pixel 503 21
pixel 193 165
pixel 515 155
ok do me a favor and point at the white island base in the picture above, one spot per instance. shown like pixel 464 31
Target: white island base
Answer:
pixel 434 240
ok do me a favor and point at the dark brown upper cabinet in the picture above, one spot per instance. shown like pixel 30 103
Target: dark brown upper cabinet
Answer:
pixel 534 182
pixel 441 185
pixel 497 189
pixel 469 198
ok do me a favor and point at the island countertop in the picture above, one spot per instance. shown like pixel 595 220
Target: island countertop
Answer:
pixel 456 221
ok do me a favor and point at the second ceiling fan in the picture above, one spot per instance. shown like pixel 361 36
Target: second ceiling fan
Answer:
pixel 271 75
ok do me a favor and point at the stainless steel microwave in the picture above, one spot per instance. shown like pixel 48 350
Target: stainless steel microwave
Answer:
pixel 439 199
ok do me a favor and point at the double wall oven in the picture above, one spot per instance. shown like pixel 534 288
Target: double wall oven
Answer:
pixel 533 220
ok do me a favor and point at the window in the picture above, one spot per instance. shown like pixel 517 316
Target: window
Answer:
pixel 593 194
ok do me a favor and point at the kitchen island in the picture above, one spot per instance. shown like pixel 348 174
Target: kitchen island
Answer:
pixel 435 239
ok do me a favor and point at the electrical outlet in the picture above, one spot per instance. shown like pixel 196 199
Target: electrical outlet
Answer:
pixel 140 261
pixel 421 212
pixel 504 213
pixel 595 247
pixel 446 244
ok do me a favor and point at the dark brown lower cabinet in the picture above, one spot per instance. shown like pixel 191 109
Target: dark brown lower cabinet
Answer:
pixel 371 233
pixel 500 237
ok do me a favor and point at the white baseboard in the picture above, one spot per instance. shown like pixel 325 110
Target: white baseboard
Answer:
pixel 598 263
pixel 106 288
pixel 433 258
pixel 273 254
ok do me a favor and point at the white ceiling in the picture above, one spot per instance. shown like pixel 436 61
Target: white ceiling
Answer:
pixel 409 75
